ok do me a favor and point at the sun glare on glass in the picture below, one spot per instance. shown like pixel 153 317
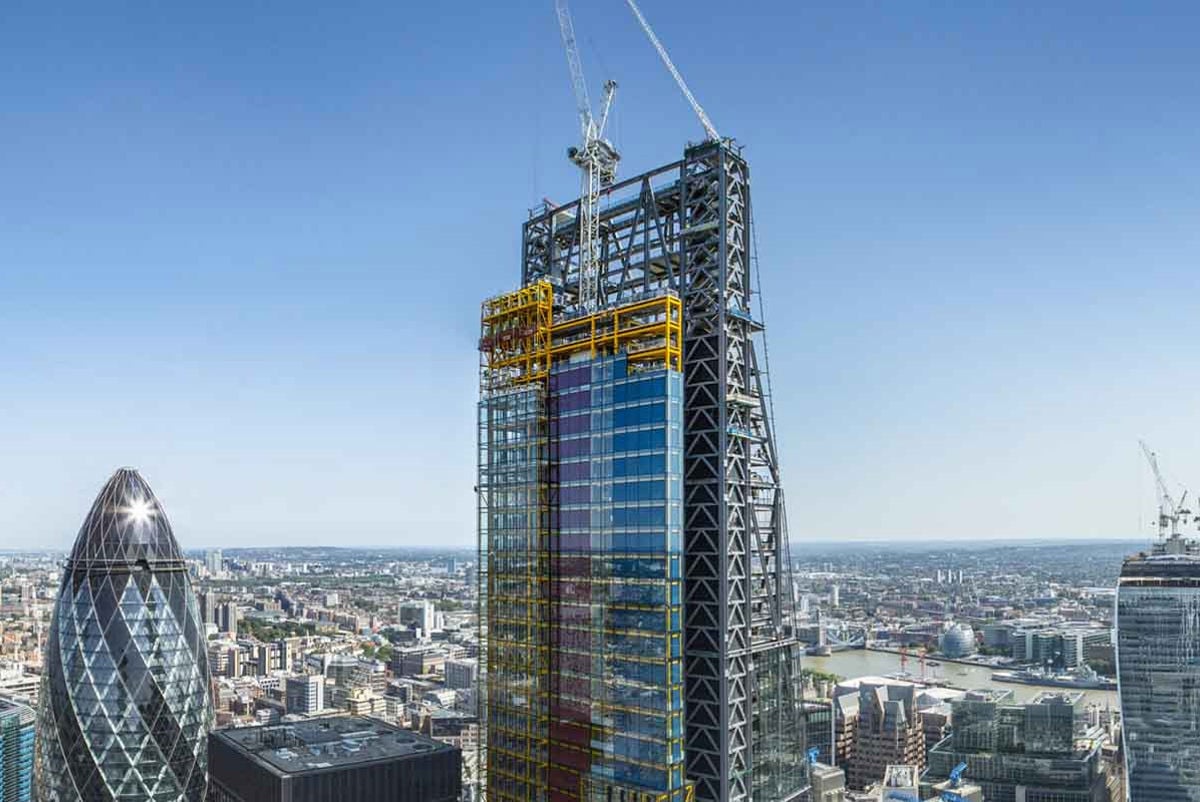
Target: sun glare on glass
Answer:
pixel 140 511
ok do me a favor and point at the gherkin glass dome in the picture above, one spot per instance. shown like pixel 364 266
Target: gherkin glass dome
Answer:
pixel 125 710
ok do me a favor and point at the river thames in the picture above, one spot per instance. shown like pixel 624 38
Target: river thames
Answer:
pixel 861 662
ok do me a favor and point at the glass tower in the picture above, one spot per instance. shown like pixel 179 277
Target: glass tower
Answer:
pixel 636 600
pixel 16 752
pixel 125 708
pixel 1158 671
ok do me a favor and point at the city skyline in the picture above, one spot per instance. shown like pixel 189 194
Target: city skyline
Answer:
pixel 975 231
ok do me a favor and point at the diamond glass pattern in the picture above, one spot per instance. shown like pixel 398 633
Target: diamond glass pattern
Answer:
pixel 125 708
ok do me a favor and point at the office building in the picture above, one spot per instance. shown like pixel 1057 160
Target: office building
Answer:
pixel 226 659
pixel 1158 632
pixel 16 752
pixel 213 561
pixel 345 673
pixel 343 758
pixel 415 661
pixel 828 783
pixel 889 732
pixel 274 656
pixel 461 674
pixel 819 728
pixel 208 606
pixel 420 613
pixel 1059 648
pixel 364 702
pixel 125 708
pixel 1043 749
pixel 845 726
pixel 228 615
pixel 355 671
pixel 305 695
pixel 624 446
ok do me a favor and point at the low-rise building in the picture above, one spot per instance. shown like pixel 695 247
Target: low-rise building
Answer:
pixel 347 758
pixel 305 695
pixel 1044 749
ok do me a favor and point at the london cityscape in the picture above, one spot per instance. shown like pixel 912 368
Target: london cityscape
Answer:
pixel 360 446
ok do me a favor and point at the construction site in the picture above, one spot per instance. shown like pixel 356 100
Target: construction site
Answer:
pixel 636 607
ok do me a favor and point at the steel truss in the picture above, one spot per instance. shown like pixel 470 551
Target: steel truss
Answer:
pixel 686 227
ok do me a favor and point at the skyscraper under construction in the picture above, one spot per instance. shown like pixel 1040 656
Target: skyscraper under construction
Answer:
pixel 635 587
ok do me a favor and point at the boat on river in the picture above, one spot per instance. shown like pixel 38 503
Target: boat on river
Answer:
pixel 1082 677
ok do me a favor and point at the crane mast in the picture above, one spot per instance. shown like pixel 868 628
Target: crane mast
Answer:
pixel 596 159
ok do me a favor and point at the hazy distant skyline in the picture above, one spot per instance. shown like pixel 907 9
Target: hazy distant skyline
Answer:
pixel 242 249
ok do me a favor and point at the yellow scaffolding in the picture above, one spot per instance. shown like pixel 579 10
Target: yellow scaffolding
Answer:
pixel 649 331
pixel 515 336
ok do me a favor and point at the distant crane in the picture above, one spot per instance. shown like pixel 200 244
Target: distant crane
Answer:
pixel 1171 513
pixel 710 130
pixel 595 157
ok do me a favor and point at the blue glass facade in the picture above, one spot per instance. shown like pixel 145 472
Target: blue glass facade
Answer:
pixel 16 752
pixel 616 692
pixel 1158 638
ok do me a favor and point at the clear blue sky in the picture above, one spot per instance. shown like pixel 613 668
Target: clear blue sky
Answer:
pixel 242 247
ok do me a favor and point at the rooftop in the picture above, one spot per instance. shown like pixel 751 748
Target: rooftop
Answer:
pixel 996 695
pixel 23 713
pixel 316 744
pixel 1177 553
pixel 1059 697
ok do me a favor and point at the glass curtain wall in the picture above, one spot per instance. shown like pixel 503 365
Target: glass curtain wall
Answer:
pixel 616 706
pixel 513 519
pixel 1158 659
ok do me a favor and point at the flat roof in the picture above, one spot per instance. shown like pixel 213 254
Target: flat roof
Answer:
pixel 1057 696
pixel 324 743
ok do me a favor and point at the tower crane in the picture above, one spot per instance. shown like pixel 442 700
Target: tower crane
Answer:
pixel 595 157
pixel 1171 513
pixel 710 130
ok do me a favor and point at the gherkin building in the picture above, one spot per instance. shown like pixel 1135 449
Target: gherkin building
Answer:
pixel 124 711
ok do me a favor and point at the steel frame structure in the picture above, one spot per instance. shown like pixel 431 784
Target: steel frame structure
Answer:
pixel 685 228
